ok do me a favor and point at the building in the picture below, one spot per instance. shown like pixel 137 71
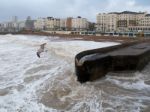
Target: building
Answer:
pixel 80 24
pixel 91 26
pixel 52 24
pixel 29 24
pixel 15 19
pixel 39 24
pixel 1 27
pixel 126 21
pixel 63 24
pixel 106 22
pixel 15 26
pixel 21 25
pixel 9 27
pixel 69 24
pixel 142 26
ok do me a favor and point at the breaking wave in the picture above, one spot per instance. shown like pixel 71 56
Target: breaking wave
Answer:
pixel 48 84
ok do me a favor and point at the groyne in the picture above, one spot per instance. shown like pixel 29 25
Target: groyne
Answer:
pixel 94 64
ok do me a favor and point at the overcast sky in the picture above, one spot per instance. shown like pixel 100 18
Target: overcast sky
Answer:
pixel 67 8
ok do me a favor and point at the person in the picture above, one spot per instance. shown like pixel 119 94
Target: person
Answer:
pixel 41 49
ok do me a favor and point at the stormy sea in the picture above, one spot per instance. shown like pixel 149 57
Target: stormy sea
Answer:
pixel 49 83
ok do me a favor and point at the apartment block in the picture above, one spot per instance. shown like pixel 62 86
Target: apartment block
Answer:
pixel 69 24
pixel 80 24
pixel 142 26
pixel 21 25
pixel 1 27
pixel 63 24
pixel 52 23
pixel 9 27
pixel 106 22
pixel 121 21
pixel 39 24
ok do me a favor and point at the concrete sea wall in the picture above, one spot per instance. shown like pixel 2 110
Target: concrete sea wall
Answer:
pixel 94 64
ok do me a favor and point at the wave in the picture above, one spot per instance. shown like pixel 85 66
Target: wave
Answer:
pixel 28 83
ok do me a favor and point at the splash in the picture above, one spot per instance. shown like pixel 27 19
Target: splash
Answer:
pixel 48 84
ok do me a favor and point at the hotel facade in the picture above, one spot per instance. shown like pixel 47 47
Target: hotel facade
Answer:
pixel 123 22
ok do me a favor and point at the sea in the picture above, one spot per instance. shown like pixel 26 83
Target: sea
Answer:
pixel 49 83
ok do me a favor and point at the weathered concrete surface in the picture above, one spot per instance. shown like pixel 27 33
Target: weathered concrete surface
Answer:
pixel 93 64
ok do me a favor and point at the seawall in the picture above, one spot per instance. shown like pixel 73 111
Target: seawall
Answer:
pixel 94 64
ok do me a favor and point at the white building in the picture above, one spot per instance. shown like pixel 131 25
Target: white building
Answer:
pixel 80 24
pixel 21 25
pixel 106 22
pixel 143 25
pixel 39 24
pixel 9 27
pixel 119 21
pixel 52 23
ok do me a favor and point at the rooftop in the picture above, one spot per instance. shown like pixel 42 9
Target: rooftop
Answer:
pixel 147 15
pixel 127 12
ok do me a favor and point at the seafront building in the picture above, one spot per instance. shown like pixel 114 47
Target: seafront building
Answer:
pixel 39 24
pixel 1 27
pixel 63 24
pixel 29 23
pixel 106 22
pixel 11 26
pixel 143 25
pixel 80 24
pixel 15 26
pixel 49 24
pixel 123 22
pixel 21 25
pixel 69 24
pixel 52 24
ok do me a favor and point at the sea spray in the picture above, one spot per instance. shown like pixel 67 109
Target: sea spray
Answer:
pixel 48 84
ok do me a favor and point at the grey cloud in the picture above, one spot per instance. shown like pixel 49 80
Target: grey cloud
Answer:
pixel 65 8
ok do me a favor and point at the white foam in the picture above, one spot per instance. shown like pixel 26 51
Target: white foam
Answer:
pixel 134 82
pixel 24 78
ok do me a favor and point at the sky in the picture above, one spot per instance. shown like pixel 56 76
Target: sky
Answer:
pixel 67 8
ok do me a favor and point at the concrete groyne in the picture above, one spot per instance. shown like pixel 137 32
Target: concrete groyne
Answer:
pixel 94 64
